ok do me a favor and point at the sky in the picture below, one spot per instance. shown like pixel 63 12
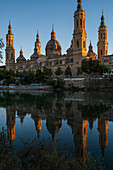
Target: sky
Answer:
pixel 28 16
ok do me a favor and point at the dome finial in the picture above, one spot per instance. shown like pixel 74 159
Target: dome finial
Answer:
pixel 21 52
pixel 53 28
pixel 53 33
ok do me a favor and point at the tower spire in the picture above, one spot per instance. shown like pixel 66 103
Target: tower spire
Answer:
pixel 9 28
pixel 102 20
pixel 79 7
pixel 37 37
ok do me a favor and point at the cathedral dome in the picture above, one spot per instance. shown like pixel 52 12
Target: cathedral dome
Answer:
pixel 21 58
pixel 53 47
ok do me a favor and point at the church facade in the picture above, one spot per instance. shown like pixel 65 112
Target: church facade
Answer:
pixel 53 57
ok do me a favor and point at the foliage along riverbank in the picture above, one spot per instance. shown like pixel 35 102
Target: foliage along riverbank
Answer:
pixel 41 156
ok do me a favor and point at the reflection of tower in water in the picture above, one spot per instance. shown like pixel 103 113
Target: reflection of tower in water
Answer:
pixel 39 127
pixel 11 123
pixel 79 130
pixel 38 124
pixel 54 126
pixel 80 138
pixel 103 134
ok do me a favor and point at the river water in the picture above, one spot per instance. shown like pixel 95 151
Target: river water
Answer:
pixel 81 120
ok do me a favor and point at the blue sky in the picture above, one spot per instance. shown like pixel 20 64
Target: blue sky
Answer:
pixel 29 15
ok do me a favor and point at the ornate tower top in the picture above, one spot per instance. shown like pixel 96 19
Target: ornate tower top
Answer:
pixel 90 47
pixel 79 7
pixel 21 52
pixel 37 37
pixel 9 28
pixel 53 37
pixel 102 20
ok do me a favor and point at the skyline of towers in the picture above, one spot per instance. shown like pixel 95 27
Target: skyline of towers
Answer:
pixel 54 58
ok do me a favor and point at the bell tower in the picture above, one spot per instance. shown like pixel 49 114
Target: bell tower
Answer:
pixel 79 37
pixel 37 49
pixel 102 40
pixel 10 50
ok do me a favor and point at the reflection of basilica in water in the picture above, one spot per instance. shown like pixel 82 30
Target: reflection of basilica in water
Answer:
pixel 60 110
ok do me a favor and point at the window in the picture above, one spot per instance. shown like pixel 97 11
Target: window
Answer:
pixel 104 35
pixel 12 56
pixel 77 23
pixel 81 23
pixel 106 52
pixel 9 42
pixel 84 44
pixel 84 24
pixel 60 62
pixel 101 36
pixel 85 131
pixel 77 62
pixel 77 44
pixel 101 52
pixel 7 56
pixel 72 60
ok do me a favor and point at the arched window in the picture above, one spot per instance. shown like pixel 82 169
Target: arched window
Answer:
pixel 77 44
pixel 101 52
pixel 77 23
pixel 11 55
pixel 81 23
pixel 84 44
pixel 104 35
pixel 106 52
pixel 84 24
pixel 101 36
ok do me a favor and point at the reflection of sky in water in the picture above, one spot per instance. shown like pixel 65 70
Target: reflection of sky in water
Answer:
pixel 65 135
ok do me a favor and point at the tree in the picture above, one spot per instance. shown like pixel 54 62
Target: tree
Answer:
pixel 68 71
pixel 58 71
pixel 47 72
pixel 39 76
pixel 1 46
pixel 92 66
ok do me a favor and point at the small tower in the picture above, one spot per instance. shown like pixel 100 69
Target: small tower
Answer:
pixel 21 58
pixel 102 40
pixel 37 48
pixel 90 53
pixel 10 50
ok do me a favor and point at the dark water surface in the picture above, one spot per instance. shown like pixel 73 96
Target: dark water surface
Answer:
pixel 82 120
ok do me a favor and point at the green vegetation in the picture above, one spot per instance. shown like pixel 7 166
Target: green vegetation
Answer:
pixel 41 156
pixel 26 77
pixel 58 71
pixel 68 71
pixel 92 66
pixel 1 46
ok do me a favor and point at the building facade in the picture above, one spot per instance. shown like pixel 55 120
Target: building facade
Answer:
pixel 54 58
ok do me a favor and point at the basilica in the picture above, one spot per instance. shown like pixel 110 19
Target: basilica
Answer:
pixel 54 57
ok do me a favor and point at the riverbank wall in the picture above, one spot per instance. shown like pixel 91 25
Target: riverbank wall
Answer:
pixel 99 84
